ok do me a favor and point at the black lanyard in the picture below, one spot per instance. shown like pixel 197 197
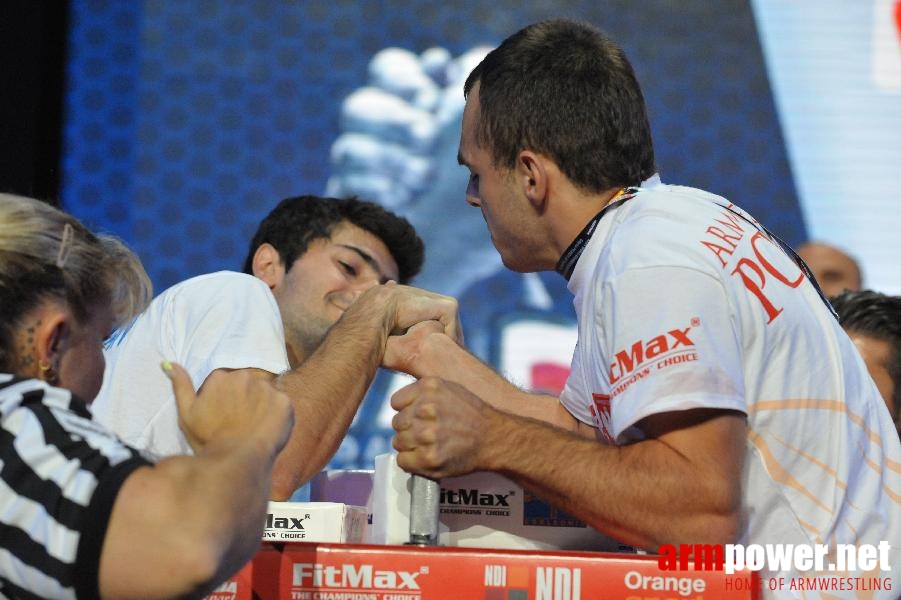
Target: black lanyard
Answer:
pixel 567 262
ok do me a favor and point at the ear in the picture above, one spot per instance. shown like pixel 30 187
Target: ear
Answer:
pixel 533 173
pixel 267 265
pixel 50 335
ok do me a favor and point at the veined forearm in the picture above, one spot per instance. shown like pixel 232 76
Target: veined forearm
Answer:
pixel 326 391
pixel 643 494
pixel 443 358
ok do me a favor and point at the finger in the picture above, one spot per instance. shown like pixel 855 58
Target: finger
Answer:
pixel 410 461
pixel 457 334
pixel 430 326
pixel 449 316
pixel 403 397
pixel 181 385
pixel 403 442
pixel 400 422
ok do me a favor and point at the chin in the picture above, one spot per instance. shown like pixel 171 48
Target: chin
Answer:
pixel 518 265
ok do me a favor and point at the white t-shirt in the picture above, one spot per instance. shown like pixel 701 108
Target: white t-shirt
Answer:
pixel 683 303
pixel 221 320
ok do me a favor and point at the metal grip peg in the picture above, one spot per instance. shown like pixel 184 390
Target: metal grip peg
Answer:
pixel 425 495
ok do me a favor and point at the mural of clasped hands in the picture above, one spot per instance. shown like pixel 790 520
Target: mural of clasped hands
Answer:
pixel 398 147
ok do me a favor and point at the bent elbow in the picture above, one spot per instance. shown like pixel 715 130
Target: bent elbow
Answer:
pixel 284 484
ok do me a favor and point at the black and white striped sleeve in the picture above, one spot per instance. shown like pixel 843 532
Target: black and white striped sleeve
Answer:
pixel 60 473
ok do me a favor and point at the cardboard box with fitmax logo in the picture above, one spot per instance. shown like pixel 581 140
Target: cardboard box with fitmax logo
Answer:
pixel 479 510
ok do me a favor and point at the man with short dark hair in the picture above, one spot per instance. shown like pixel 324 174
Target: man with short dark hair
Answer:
pixel 312 313
pixel 713 397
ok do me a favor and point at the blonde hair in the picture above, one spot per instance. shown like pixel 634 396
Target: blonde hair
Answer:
pixel 45 252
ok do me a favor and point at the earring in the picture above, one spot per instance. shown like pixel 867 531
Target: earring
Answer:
pixel 47 372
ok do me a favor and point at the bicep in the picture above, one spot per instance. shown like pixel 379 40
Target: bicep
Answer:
pixel 712 441
pixel 259 373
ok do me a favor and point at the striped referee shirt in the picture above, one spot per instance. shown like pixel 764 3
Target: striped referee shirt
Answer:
pixel 60 473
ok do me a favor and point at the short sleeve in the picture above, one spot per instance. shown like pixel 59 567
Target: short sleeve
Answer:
pixel 671 343
pixel 227 321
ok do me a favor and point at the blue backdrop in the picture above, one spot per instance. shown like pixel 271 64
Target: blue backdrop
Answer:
pixel 187 121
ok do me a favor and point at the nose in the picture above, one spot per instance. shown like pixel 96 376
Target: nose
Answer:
pixel 363 285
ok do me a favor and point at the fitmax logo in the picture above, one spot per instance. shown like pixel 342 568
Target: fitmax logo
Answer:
pixel 289 523
pixel 630 359
pixel 473 497
pixel 351 576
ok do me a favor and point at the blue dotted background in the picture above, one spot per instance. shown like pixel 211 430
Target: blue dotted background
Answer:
pixel 187 121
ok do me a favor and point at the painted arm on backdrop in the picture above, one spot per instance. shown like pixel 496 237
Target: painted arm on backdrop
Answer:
pixel 198 518
pixel 679 485
pixel 398 148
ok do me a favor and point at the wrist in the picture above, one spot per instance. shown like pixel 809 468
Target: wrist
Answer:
pixel 495 439
pixel 438 356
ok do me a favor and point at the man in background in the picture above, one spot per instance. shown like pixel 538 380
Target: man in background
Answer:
pixel 873 321
pixel 311 313
pixel 834 269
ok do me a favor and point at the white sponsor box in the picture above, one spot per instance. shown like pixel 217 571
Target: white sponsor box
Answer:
pixel 480 510
pixel 315 522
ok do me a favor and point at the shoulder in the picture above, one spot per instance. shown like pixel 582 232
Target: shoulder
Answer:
pixel 218 292
pixel 17 392
pixel 673 204
pixel 232 281
pixel 39 414
pixel 664 226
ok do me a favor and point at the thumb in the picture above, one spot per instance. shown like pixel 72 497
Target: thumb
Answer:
pixel 181 386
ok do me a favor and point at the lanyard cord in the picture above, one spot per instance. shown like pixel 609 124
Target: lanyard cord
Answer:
pixel 570 257
pixel 567 263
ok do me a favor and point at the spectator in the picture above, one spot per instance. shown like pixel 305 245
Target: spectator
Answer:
pixel 834 269
pixel 873 321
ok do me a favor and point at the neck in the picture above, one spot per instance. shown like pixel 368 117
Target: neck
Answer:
pixel 582 210
pixel 570 255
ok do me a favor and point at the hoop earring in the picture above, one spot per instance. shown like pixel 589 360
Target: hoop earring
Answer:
pixel 47 372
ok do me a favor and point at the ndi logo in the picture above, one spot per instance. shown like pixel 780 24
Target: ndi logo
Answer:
pixel 558 583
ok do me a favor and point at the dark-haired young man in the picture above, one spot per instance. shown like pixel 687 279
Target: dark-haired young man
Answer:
pixel 713 397
pixel 312 312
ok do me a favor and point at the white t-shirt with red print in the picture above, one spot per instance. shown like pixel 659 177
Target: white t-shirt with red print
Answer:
pixel 684 302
